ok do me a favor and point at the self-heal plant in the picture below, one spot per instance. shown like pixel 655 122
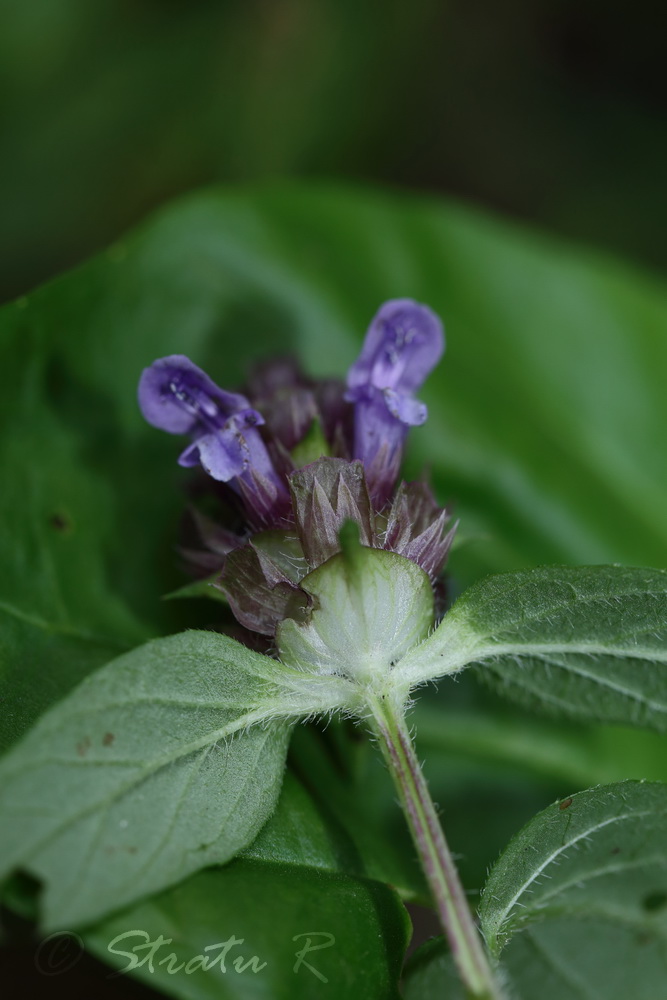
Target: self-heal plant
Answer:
pixel 334 569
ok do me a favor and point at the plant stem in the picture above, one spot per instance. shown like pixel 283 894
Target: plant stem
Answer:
pixel 465 943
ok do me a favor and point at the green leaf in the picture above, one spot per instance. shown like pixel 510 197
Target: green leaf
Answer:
pixel 582 889
pixel 198 588
pixel 359 925
pixel 168 759
pixel 590 642
pixel 39 665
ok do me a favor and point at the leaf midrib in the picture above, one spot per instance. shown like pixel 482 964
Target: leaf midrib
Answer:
pixel 500 918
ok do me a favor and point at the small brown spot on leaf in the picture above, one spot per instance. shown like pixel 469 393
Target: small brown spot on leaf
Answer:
pixel 108 739
pixel 83 746
pixel 60 522
pixel 131 850
pixel 565 804
pixel 615 850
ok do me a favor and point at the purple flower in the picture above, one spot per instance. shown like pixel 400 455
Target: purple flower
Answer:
pixel 177 396
pixel 404 343
pixel 325 454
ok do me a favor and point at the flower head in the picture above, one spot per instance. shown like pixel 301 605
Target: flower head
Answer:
pixel 403 344
pixel 325 454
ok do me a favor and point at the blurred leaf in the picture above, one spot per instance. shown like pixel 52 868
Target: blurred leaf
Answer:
pixel 108 109
pixel 39 665
pixel 359 927
pixel 564 753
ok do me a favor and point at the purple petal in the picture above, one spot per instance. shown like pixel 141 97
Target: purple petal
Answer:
pixel 404 343
pixel 177 396
pixel 407 409
pixel 378 442
pixel 223 454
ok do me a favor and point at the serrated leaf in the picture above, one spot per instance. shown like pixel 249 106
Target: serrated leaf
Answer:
pixel 599 855
pixel 588 641
pixel 168 759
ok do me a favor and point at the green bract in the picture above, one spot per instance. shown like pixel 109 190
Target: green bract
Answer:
pixel 371 608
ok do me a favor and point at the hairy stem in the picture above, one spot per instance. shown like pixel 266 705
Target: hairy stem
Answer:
pixel 466 945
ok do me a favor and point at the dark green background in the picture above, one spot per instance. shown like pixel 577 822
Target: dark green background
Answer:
pixel 550 111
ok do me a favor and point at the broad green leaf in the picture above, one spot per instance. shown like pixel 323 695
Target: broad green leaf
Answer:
pixel 169 758
pixel 359 925
pixel 590 642
pixel 579 898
